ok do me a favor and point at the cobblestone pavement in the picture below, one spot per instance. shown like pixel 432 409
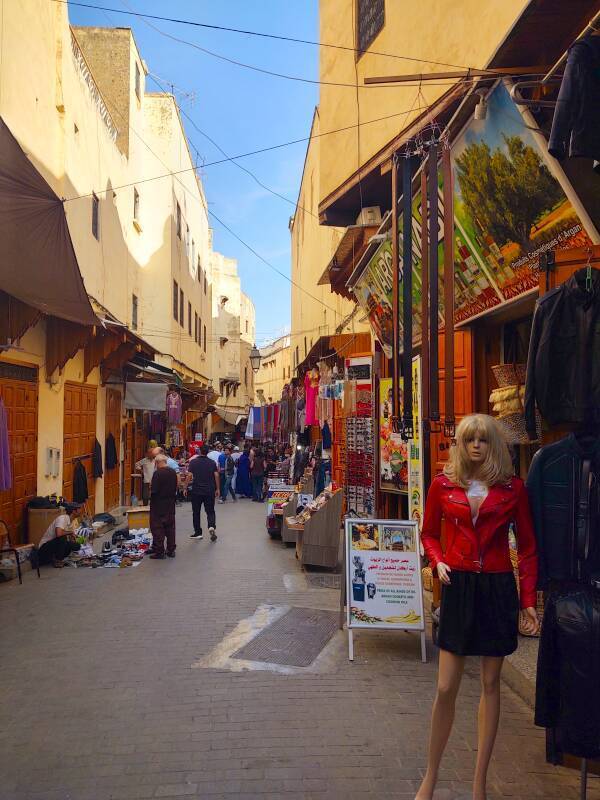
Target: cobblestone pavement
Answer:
pixel 100 698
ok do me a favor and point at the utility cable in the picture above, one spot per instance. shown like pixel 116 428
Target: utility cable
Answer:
pixel 262 34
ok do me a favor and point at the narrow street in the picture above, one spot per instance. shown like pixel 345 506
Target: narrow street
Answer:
pixel 104 696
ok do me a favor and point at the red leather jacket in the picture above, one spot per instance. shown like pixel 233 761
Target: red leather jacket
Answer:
pixel 482 547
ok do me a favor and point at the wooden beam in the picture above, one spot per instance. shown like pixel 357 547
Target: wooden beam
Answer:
pixel 395 296
pixel 448 293
pixel 457 75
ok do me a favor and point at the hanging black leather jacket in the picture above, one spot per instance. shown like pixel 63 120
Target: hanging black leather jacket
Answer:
pixel 563 513
pixel 576 123
pixel 567 687
pixel 563 366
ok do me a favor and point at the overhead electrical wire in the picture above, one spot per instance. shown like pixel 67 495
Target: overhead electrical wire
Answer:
pixel 262 34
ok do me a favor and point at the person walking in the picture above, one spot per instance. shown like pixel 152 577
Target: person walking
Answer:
pixel 243 481
pixel 229 473
pixel 163 493
pixel 204 490
pixel 257 469
pixel 147 466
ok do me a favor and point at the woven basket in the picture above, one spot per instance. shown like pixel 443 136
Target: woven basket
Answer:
pixel 427 575
pixel 540 595
pixel 509 374
pixel 515 431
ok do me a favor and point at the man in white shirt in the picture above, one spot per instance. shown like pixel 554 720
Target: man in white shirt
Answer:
pixel 147 466
pixel 214 454
pixel 57 542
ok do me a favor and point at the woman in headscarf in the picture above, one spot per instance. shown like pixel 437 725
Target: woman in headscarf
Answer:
pixel 243 484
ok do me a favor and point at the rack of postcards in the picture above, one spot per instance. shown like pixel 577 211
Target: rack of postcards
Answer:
pixel 359 484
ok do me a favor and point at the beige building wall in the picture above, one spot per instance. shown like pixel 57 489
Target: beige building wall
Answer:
pixel 316 311
pixel 275 370
pixel 464 33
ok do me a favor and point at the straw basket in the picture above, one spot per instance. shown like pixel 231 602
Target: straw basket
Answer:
pixel 514 428
pixel 427 576
pixel 509 374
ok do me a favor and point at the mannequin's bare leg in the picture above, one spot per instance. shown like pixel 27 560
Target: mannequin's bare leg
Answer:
pixel 449 677
pixel 488 718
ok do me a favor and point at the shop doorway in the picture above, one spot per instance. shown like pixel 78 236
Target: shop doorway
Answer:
pixel 112 483
pixel 79 437
pixel 129 462
pixel 19 393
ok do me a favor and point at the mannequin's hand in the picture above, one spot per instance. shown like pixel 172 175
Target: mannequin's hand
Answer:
pixel 529 621
pixel 443 571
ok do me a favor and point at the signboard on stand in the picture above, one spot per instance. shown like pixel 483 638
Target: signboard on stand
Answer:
pixel 383 578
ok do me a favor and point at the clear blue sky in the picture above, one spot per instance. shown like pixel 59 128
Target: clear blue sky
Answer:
pixel 242 111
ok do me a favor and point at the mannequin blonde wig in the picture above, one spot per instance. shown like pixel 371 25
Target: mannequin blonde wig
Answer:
pixel 497 466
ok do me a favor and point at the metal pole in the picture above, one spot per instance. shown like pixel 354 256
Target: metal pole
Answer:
pixel 449 421
pixel 434 393
pixel 407 266
pixel 395 296
pixel 425 335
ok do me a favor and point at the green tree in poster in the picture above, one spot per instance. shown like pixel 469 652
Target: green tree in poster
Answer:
pixel 506 192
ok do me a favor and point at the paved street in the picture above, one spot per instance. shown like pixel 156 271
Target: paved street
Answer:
pixel 104 695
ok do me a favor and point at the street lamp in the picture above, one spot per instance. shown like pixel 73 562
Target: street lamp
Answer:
pixel 255 358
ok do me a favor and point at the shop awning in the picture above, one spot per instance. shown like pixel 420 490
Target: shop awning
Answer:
pixel 326 346
pixel 39 265
pixel 231 417
pixel 350 249
pixel 146 396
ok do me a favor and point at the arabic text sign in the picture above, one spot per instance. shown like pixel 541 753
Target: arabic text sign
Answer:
pixel 383 575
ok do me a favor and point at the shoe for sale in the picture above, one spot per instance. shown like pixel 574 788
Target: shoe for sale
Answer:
pixel 197 535
pixel 171 554
pixel 213 534
pixel 157 555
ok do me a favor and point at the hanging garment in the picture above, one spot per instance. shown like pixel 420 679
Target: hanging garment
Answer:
pixel 563 367
pixel 576 123
pixel 559 508
pixel 326 435
pixel 111 452
pixel 97 470
pixel 567 688
pixel 311 388
pixel 174 408
pixel 80 486
pixel 5 471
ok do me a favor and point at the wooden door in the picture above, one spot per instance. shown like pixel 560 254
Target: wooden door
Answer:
pixel 79 436
pixel 20 398
pixel 128 464
pixel 463 393
pixel 112 485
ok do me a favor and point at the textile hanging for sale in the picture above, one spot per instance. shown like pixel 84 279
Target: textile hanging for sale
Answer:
pixel 311 387
pixel 174 408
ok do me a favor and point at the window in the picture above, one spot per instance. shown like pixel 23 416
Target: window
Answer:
pixel 181 308
pixel 175 301
pixel 235 389
pixel 178 220
pixel 187 240
pixel 246 326
pixel 199 270
pixel 138 81
pixel 297 356
pixel 305 348
pixel 136 204
pixel 193 253
pixel 96 217
pixel 205 338
pixel 134 312
pixel 371 19
pixel 289 371
pixel 205 283
pixel 189 319
pixel 245 376
pixel 196 327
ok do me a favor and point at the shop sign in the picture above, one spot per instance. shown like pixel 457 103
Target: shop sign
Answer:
pixel 278 495
pixel 393 452
pixel 509 208
pixel 383 577
pixel 415 459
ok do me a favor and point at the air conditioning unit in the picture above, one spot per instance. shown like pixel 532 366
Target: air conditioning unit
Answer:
pixel 371 215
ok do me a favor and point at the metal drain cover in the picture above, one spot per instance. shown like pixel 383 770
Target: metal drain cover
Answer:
pixel 293 640
pixel 326 581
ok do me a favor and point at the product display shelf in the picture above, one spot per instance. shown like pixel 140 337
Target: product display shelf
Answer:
pixel 318 542
pixel 288 535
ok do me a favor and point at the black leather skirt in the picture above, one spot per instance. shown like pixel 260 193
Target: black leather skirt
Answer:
pixel 479 614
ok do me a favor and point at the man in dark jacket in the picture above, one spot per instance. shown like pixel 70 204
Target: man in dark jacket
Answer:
pixel 204 473
pixel 163 491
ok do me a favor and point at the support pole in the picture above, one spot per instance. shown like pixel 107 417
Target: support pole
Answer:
pixel 395 297
pixel 426 435
pixel 434 391
pixel 407 270
pixel 449 420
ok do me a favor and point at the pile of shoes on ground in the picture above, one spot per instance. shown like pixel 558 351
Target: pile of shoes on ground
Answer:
pixel 126 549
